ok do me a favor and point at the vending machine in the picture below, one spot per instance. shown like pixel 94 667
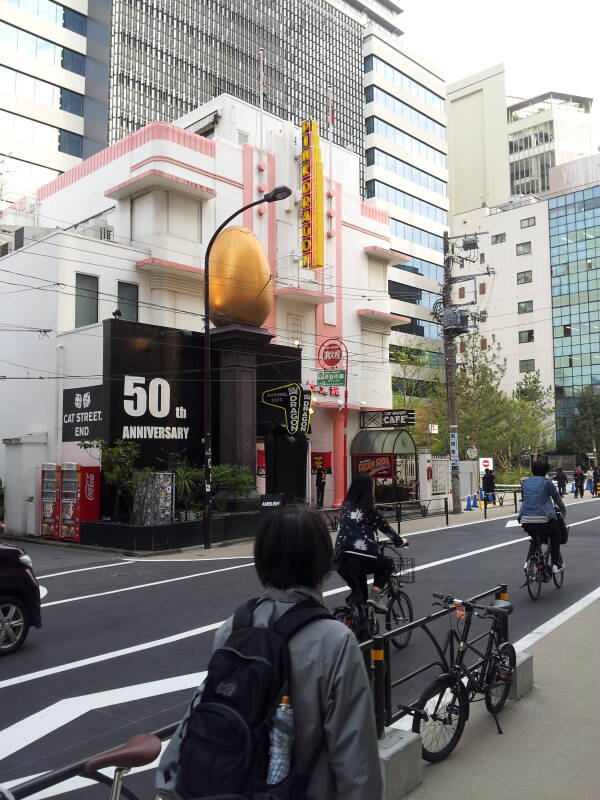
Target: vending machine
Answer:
pixel 50 501
pixel 80 498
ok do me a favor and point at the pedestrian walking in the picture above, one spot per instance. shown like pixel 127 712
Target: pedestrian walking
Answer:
pixel 488 484
pixel 330 726
pixel 578 480
pixel 589 480
pixel 561 481
pixel 596 480
pixel 321 481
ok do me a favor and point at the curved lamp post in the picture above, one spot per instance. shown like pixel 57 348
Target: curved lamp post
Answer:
pixel 279 193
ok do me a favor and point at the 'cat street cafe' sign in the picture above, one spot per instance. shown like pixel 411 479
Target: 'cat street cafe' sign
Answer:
pixel 392 418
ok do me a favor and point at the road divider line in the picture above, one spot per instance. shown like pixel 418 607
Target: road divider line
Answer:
pixel 118 563
pixel 563 616
pixel 143 585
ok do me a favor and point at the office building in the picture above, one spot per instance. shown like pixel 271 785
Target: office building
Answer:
pixel 500 146
pixel 406 172
pixel 54 90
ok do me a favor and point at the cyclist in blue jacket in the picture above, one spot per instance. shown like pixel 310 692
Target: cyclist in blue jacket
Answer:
pixel 538 515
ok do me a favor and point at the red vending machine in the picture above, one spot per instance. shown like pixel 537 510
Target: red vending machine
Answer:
pixel 80 498
pixel 50 501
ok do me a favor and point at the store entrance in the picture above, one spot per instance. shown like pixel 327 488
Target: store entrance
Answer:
pixel 390 456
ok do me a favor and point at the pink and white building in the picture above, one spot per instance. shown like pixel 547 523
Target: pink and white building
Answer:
pixel 127 229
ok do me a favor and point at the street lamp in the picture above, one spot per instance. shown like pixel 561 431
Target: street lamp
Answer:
pixel 278 193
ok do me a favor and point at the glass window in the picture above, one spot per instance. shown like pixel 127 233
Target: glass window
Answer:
pixel 71 143
pixel 419 266
pixel 525 336
pixel 373 94
pixel 416 235
pixel 393 134
pixel 499 238
pixel 525 277
pixel 128 300
pixel 523 248
pixel 375 157
pixel 86 299
pixel 74 21
pixel 527 365
pixel 71 102
pixel 482 288
pixel 528 222
pixel 482 258
pixel 461 292
pixel 525 307
pixel 407 201
pixel 374 64
pixel 74 62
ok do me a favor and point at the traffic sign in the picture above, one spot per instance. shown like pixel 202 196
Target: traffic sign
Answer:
pixel 330 354
pixel 331 377
pixel 485 463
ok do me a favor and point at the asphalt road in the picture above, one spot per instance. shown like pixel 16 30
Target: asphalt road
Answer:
pixel 124 641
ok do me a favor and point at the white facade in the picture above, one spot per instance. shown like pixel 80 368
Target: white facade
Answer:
pixel 519 278
pixel 477 141
pixel 54 90
pixel 406 173
pixel 158 195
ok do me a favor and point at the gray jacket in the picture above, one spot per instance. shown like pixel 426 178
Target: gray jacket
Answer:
pixel 332 704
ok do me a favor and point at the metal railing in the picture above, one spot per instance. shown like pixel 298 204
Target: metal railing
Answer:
pixel 407 510
pixel 379 649
pixel 501 494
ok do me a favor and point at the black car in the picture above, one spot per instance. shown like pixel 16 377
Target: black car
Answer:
pixel 19 598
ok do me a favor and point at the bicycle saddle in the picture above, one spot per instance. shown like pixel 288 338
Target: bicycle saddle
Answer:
pixel 137 752
pixel 501 608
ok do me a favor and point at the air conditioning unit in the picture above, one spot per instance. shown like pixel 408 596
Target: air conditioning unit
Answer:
pixel 106 233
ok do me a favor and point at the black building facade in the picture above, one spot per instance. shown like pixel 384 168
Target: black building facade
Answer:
pixel 170 56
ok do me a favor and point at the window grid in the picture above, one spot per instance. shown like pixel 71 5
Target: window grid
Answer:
pixel 498 238
pixel 526 336
pixel 407 201
pixel 381 67
pixel 524 277
pixel 86 299
pixel 128 300
pixel 394 134
pixel 377 158
pixel 528 222
pixel 416 235
pixel 523 248
pixel 527 365
pixel 525 307
pixel 418 266
pixel 373 94
pixel 41 49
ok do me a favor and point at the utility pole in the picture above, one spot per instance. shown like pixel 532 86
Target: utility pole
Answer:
pixel 450 362
pixel 455 322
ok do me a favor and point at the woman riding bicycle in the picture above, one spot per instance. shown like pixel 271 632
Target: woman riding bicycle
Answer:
pixel 538 515
pixel 357 539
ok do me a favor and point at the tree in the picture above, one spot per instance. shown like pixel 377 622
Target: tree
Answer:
pixel 415 382
pixel 586 421
pixel 119 470
pixel 530 389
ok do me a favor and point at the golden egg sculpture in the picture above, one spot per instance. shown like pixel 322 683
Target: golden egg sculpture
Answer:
pixel 240 283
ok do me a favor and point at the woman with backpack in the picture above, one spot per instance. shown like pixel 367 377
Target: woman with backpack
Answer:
pixel 322 689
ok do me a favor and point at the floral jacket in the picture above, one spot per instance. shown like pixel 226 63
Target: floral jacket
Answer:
pixel 358 529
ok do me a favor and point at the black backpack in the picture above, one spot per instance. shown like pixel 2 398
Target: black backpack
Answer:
pixel 225 739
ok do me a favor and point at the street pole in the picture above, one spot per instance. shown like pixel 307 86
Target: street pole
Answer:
pixel 279 193
pixel 346 426
pixel 450 362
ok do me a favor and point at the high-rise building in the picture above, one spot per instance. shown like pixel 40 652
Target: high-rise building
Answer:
pixel 499 147
pixel 54 89
pixel 545 131
pixel 405 170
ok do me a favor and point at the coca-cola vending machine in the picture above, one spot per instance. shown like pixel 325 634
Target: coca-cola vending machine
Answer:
pixel 50 501
pixel 80 498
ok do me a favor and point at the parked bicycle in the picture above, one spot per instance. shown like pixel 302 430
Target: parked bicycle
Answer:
pixel 538 571
pixel 364 620
pixel 440 713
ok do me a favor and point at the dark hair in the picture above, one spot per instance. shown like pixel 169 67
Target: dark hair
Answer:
pixel 293 548
pixel 540 468
pixel 360 492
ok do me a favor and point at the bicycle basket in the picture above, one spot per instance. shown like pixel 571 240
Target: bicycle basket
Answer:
pixel 404 566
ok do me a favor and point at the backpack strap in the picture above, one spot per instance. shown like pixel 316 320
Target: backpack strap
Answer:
pixel 299 615
pixel 242 616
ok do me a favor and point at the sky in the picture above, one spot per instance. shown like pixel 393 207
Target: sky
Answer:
pixel 544 45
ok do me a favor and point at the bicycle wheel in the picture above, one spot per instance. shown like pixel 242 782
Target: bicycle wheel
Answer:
pixel 534 578
pixel 447 708
pixel 344 615
pixel 504 662
pixel 559 578
pixel 399 612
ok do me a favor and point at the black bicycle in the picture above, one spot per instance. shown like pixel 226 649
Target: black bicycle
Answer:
pixel 363 620
pixel 539 571
pixel 440 714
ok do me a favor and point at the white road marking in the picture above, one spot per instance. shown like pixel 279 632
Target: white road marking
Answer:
pixel 512 523
pixel 84 569
pixel 143 585
pixel 54 716
pixel 547 627
pixel 515 523
pixel 213 626
pixel 43 592
pixel 198 559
